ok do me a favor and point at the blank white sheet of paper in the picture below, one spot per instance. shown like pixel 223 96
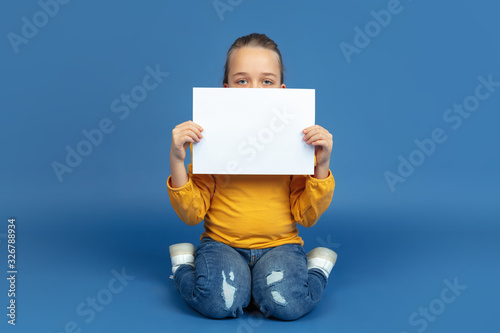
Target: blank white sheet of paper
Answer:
pixel 253 131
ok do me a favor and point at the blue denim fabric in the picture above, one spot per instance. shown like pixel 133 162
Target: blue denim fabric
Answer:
pixel 225 280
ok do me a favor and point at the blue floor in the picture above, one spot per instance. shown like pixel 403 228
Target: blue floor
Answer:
pixel 391 267
pixel 92 238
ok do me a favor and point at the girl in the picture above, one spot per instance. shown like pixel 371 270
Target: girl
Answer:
pixel 250 249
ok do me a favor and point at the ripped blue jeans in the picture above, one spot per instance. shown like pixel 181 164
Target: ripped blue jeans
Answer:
pixel 225 280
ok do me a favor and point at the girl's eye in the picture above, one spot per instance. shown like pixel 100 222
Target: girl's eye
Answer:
pixel 267 82
pixel 242 81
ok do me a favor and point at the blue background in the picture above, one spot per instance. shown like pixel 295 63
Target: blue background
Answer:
pixel 112 211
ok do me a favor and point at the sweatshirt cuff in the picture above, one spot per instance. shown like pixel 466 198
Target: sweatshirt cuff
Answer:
pixel 177 189
pixel 313 180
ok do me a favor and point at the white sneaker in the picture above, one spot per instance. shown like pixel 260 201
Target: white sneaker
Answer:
pixel 321 258
pixel 181 254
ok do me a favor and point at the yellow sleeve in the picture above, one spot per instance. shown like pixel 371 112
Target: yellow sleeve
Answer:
pixel 310 198
pixel 192 200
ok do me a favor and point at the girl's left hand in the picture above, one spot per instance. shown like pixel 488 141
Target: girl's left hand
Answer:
pixel 322 140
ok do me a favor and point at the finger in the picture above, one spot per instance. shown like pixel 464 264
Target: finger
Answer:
pixel 315 131
pixel 310 133
pixel 195 135
pixel 307 129
pixel 196 125
pixel 183 124
pixel 322 143
pixel 196 130
pixel 315 136
pixel 190 127
pixel 189 123
pixel 184 135
pixel 188 139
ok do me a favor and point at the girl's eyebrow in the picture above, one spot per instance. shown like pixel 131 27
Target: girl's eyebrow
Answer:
pixel 264 74
pixel 269 74
pixel 240 73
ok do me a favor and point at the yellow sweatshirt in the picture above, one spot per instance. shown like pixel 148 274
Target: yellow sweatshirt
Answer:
pixel 252 211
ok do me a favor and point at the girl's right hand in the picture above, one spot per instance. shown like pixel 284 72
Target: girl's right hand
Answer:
pixel 182 136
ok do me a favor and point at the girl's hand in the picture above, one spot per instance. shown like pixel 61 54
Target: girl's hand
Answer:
pixel 323 141
pixel 182 135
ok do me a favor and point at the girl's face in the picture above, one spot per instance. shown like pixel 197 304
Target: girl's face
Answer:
pixel 254 67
